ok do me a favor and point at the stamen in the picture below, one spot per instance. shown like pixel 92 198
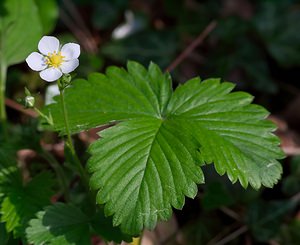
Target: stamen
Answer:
pixel 54 59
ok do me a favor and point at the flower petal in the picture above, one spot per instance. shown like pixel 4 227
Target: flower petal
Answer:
pixel 51 91
pixel 36 61
pixel 48 44
pixel 70 51
pixel 69 66
pixel 50 74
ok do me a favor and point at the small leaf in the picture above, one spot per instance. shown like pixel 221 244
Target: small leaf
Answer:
pixel 59 224
pixel 22 202
pixel 150 160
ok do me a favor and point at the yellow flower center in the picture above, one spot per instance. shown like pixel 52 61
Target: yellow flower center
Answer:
pixel 54 59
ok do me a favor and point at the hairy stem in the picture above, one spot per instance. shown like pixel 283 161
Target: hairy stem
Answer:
pixel 69 142
pixel 41 114
pixel 3 70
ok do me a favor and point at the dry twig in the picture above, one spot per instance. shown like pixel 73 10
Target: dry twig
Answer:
pixel 74 22
pixel 233 235
pixel 210 27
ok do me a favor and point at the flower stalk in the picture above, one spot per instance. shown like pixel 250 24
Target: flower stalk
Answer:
pixel 54 63
pixel 3 70
pixel 69 142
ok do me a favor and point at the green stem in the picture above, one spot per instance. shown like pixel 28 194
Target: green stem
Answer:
pixel 69 142
pixel 3 70
pixel 59 172
pixel 41 114
pixel 140 239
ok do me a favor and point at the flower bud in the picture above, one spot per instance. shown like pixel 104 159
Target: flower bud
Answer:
pixel 64 81
pixel 29 101
pixel 66 78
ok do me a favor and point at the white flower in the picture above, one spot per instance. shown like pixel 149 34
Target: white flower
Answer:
pixel 54 61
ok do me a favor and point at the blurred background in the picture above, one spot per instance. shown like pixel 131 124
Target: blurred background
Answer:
pixel 253 43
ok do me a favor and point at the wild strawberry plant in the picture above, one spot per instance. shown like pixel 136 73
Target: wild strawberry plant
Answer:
pixel 148 159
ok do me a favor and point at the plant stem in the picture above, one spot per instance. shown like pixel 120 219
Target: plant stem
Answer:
pixel 3 70
pixel 233 235
pixel 208 29
pixel 69 142
pixel 41 114
pixel 140 239
pixel 59 172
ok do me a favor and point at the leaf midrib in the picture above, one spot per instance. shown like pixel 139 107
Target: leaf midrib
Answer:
pixel 149 157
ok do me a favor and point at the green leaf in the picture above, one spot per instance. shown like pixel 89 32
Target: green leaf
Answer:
pixel 22 202
pixel 289 234
pixel 59 224
pixel 3 234
pixel 159 47
pixel 291 183
pixel 264 219
pixel 48 13
pixel 8 176
pixel 103 227
pixel 247 56
pixel 20 30
pixel 151 159
pixel 148 175
pixel 7 154
pixel 280 35
pixel 201 230
pixel 106 13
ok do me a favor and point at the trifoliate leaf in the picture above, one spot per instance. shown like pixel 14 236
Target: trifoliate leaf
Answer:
pixel 22 202
pixel 59 224
pixel 150 160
